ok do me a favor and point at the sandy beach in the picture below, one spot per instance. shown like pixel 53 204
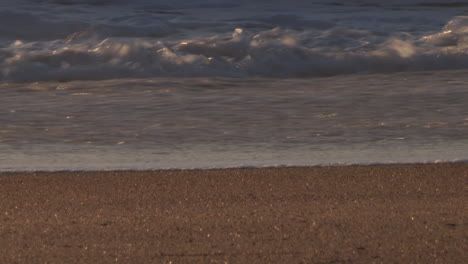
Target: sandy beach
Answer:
pixel 357 214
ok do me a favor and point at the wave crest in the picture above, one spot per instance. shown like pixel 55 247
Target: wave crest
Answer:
pixel 270 53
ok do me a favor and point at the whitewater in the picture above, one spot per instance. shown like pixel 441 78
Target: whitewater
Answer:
pixel 104 85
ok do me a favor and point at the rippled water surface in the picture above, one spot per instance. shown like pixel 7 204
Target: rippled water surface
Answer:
pixel 345 119
pixel 96 84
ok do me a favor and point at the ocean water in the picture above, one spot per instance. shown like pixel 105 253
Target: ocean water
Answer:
pixel 102 84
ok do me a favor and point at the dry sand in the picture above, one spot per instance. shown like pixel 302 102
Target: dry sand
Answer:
pixel 358 214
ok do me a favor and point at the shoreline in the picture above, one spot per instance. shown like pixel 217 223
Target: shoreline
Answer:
pixel 247 167
pixel 337 214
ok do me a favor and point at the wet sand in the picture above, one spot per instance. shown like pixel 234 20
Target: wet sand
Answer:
pixel 358 214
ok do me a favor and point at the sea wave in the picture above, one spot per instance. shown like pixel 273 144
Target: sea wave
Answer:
pixel 62 40
pixel 277 52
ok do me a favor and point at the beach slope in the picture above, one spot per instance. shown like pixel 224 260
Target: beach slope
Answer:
pixel 354 214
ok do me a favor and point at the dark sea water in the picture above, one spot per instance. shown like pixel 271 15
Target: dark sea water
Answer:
pixel 101 84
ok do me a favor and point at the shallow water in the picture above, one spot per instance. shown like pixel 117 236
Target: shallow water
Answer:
pixel 91 84
pixel 218 122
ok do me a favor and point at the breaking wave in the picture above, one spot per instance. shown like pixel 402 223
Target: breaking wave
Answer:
pixel 271 53
pixel 164 41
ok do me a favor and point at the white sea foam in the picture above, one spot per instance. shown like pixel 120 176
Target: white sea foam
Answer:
pixel 92 39
pixel 271 53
